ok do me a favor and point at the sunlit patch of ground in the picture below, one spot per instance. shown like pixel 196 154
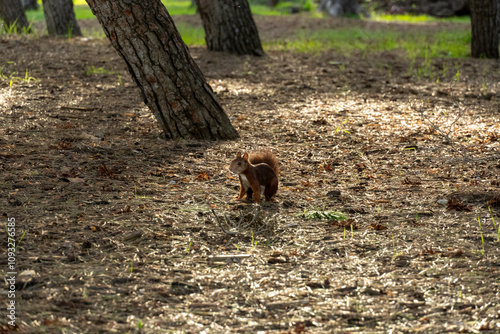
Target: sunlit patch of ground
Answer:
pixel 121 237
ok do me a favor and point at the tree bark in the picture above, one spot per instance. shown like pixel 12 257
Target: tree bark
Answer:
pixel 29 4
pixel 229 27
pixel 12 14
pixel 484 37
pixel 171 83
pixel 339 8
pixel 60 18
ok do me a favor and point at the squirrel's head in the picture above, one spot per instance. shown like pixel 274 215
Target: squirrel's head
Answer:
pixel 240 164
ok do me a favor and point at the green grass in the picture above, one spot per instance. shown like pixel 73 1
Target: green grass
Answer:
pixel 83 12
pixel 12 77
pixel 191 35
pixel 346 41
pixel 183 7
pixel 409 18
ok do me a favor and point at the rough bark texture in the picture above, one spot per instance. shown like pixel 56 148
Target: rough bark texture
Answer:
pixel 484 37
pixel 60 18
pixel 229 27
pixel 172 84
pixel 12 13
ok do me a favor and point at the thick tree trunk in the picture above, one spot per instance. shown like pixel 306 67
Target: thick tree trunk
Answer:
pixel 484 37
pixel 12 13
pixel 229 27
pixel 172 84
pixel 60 18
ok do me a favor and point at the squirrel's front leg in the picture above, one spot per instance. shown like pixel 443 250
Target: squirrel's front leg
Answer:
pixel 242 193
pixel 256 194
pixel 242 190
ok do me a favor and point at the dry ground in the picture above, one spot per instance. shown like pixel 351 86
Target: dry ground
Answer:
pixel 120 237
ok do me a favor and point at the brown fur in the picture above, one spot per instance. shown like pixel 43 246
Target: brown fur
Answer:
pixel 254 171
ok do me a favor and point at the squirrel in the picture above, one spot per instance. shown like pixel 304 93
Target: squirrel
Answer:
pixel 258 174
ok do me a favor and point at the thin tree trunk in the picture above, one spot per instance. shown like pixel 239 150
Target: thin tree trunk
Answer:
pixel 484 37
pixel 60 18
pixel 172 84
pixel 229 27
pixel 12 14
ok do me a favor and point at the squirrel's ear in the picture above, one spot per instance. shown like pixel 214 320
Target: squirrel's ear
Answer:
pixel 238 155
pixel 245 156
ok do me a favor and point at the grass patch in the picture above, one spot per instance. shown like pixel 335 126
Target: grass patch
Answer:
pixel 12 77
pixel 191 35
pixel 347 41
pixel 409 18
pixel 13 29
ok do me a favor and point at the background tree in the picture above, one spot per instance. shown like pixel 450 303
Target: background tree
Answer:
pixel 12 14
pixel 229 27
pixel 171 83
pixel 484 37
pixel 339 8
pixel 60 18
pixel 29 4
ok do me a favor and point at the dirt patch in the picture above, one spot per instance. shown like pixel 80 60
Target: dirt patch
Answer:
pixel 120 233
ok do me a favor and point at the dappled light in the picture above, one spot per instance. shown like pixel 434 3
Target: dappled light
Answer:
pixel 386 217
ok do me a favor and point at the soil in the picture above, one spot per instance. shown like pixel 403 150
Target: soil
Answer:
pixel 121 231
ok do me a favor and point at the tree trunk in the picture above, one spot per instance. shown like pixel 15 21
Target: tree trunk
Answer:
pixel 12 14
pixel 484 37
pixel 29 4
pixel 60 18
pixel 172 84
pixel 339 8
pixel 229 27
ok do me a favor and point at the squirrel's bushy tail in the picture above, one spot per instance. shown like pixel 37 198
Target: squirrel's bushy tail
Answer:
pixel 266 157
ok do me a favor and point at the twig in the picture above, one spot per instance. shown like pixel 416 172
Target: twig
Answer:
pixel 236 228
pixel 255 214
pixel 220 224
pixel 79 108
pixel 446 135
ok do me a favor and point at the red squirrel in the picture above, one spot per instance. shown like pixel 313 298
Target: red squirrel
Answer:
pixel 258 174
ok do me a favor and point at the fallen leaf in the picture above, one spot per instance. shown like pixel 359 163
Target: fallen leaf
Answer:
pixel 300 328
pixel 274 260
pixel 319 285
pixel 94 228
pixel 124 210
pixel 377 227
pixel 454 253
pixel 203 176
pixel 104 171
pixel 454 204
pixel 343 224
pixel 412 182
pixel 75 179
pixel 427 251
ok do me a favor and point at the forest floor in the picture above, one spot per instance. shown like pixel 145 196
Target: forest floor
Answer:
pixel 120 236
